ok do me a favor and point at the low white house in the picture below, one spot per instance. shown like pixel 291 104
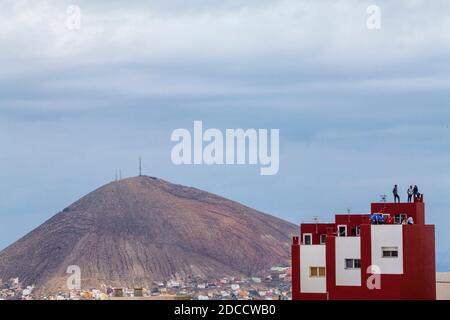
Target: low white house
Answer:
pixel 443 285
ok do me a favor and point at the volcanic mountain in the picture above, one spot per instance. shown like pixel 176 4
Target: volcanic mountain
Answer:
pixel 138 230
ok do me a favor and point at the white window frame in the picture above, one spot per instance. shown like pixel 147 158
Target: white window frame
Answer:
pixel 325 236
pixel 389 249
pixel 304 237
pixel 338 232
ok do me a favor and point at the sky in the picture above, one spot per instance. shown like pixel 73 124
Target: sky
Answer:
pixel 358 109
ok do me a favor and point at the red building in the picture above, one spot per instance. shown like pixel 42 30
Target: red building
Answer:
pixel 354 258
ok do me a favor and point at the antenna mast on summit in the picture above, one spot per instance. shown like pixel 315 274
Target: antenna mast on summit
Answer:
pixel 140 166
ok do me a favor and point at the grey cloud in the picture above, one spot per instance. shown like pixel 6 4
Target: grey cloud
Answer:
pixel 358 110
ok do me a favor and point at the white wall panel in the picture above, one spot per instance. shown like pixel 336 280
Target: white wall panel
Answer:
pixel 347 248
pixel 312 256
pixel 387 236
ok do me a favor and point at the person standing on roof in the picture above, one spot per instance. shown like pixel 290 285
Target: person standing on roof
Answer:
pixel 416 190
pixel 410 193
pixel 396 196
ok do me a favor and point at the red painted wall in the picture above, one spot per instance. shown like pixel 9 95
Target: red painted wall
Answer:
pixel 416 210
pixel 419 262
pixel 351 221
pixel 316 229
pixel 295 269
pixel 418 281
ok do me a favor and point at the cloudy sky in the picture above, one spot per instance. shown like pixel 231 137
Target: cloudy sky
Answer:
pixel 358 110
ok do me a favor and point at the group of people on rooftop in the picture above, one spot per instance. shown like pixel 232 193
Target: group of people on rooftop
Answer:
pixel 412 191
pixel 383 218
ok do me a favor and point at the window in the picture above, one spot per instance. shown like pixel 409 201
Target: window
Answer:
pixel 316 272
pixel 352 263
pixel 358 231
pixel 323 238
pixel 342 230
pixel 307 238
pixel 322 272
pixel 398 218
pixel 389 252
